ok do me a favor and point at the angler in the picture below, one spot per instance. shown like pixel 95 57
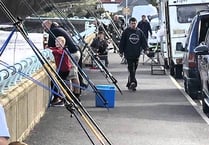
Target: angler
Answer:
pixel 97 61
pixel 71 101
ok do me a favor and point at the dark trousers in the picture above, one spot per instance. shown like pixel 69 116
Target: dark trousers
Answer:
pixel 105 59
pixel 63 76
pixel 132 66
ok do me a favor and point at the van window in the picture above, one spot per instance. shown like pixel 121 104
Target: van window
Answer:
pixel 186 13
pixel 189 33
pixel 203 29
pixel 207 38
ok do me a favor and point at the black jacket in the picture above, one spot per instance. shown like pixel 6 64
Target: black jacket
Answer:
pixel 100 46
pixel 145 27
pixel 132 42
pixel 59 31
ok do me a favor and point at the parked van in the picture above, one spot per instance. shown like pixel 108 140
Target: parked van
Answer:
pixel 147 10
pixel 177 16
pixel 152 16
pixel 196 35
pixel 203 66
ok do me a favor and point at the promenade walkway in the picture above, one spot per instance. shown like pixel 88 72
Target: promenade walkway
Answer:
pixel 158 113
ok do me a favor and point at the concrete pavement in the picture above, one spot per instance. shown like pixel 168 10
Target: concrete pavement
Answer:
pixel 156 114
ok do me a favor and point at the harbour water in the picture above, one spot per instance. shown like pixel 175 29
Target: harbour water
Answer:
pixel 18 48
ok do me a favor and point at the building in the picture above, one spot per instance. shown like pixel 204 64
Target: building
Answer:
pixel 111 5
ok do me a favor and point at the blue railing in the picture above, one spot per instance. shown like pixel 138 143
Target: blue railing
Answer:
pixel 12 75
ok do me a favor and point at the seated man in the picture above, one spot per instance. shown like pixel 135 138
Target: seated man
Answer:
pixel 99 46
pixel 4 131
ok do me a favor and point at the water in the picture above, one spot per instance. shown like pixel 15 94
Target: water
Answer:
pixel 17 48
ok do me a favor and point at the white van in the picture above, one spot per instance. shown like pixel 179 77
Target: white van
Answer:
pixel 147 10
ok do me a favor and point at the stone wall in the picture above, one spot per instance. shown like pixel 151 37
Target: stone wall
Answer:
pixel 25 104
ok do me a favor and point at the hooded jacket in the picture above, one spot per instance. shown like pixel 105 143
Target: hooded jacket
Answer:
pixel 132 42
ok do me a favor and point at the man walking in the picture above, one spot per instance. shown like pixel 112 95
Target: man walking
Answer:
pixel 144 25
pixel 131 44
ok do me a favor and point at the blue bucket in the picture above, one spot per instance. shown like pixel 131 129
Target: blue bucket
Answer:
pixel 108 92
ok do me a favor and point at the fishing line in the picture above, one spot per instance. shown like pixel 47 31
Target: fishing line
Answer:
pixel 97 60
pixel 53 75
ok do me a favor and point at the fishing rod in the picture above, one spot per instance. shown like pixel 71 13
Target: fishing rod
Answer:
pixel 114 25
pixel 54 76
pixel 82 73
pixel 67 24
pixel 112 22
pixel 6 65
pixel 63 19
pixel 71 108
pixel 103 28
pixel 105 102
pixel 95 59
pixel 94 123
pixel 7 41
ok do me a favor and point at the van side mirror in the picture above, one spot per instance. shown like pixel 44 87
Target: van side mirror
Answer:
pixel 201 50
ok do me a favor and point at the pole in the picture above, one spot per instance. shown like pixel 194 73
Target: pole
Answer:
pixel 66 92
pixel 126 13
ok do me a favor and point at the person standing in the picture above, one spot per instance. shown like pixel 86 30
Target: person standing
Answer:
pixel 144 25
pixel 131 44
pixel 54 31
pixel 63 66
pixel 4 131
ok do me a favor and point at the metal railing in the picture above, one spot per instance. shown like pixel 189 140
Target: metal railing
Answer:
pixel 12 75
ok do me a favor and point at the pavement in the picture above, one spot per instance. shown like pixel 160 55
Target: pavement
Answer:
pixel 157 113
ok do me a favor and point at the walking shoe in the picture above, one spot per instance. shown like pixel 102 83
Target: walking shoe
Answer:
pixel 127 85
pixel 84 86
pixel 57 102
pixel 132 86
pixel 60 103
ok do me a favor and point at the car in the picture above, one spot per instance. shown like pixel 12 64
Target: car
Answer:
pixel 202 51
pixel 196 35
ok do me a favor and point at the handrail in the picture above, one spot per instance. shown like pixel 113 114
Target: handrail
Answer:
pixel 9 75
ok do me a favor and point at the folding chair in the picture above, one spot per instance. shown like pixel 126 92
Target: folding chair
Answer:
pixel 151 54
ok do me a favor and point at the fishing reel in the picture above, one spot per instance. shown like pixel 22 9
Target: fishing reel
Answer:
pixel 70 107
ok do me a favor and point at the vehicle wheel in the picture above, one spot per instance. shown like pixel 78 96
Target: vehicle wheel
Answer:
pixel 190 92
pixel 178 71
pixel 194 96
pixel 185 86
pixel 172 70
pixel 166 64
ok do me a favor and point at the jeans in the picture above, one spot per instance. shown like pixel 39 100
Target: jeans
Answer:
pixel 132 66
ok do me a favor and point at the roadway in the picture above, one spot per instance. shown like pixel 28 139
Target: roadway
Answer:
pixel 158 113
